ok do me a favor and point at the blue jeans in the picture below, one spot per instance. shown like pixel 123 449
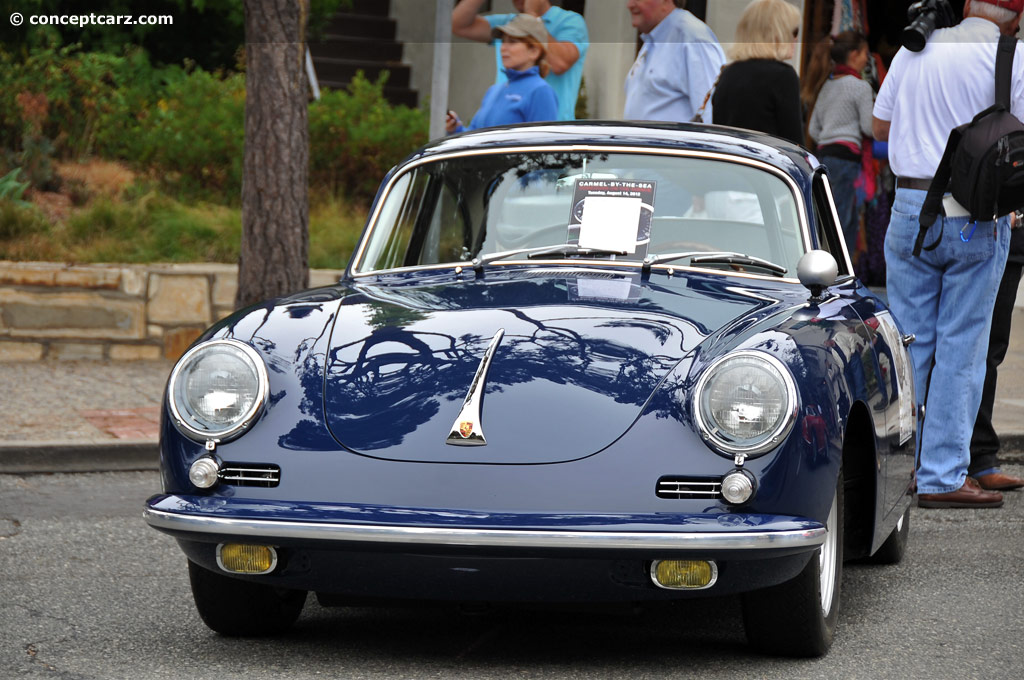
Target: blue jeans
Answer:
pixel 945 298
pixel 842 174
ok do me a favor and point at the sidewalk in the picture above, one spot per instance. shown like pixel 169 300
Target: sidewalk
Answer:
pixel 79 416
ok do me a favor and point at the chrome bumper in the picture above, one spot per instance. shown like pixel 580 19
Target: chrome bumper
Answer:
pixel 803 539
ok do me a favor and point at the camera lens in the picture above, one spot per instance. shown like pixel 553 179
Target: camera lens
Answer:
pixel 913 39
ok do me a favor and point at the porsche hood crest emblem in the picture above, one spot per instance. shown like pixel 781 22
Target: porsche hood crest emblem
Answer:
pixel 467 430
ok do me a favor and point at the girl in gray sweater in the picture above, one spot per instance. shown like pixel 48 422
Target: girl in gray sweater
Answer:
pixel 841 125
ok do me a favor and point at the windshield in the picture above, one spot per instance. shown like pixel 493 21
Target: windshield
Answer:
pixel 611 205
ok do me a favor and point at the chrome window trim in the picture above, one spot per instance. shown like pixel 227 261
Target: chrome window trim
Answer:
pixel 357 257
pixel 806 539
pixel 250 416
pixel 827 184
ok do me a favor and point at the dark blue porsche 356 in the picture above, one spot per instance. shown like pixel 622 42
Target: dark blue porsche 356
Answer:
pixel 567 363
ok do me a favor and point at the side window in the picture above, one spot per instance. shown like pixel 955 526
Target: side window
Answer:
pixel 390 252
pixel 826 221
pixel 429 225
pixel 448 236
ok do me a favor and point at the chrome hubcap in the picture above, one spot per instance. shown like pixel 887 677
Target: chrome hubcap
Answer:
pixel 827 560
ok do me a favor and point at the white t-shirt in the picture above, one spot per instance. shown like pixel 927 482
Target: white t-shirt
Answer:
pixel 926 94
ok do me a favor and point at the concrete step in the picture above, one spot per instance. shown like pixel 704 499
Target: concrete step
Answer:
pixel 350 47
pixel 344 70
pixel 371 7
pixel 361 26
pixel 398 96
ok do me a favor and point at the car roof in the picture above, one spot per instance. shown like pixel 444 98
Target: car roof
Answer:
pixel 781 153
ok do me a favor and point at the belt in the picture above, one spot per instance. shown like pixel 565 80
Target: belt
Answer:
pixel 913 183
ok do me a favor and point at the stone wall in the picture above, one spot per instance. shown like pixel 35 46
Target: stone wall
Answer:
pixel 120 312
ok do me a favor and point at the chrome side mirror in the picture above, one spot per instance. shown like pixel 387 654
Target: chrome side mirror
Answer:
pixel 817 270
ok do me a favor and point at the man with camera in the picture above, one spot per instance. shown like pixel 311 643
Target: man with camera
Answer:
pixel 946 295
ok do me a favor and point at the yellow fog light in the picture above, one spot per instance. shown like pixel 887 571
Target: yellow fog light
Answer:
pixel 239 558
pixel 684 574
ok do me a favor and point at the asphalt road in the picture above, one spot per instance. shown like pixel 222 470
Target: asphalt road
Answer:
pixel 88 591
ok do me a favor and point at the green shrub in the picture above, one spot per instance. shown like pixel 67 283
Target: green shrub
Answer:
pixel 334 230
pixel 193 136
pixel 80 101
pixel 184 124
pixel 356 136
pixel 184 128
pixel 18 220
pixel 154 228
pixel 12 188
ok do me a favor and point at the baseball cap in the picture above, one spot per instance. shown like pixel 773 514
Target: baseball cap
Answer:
pixel 1014 5
pixel 523 25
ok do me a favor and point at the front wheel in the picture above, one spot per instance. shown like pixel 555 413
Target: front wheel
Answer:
pixel 234 607
pixel 798 617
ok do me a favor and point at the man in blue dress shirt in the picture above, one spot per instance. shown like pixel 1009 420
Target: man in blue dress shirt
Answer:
pixel 676 67
pixel 566 48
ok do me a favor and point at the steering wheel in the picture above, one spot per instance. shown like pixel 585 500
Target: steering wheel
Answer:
pixel 539 237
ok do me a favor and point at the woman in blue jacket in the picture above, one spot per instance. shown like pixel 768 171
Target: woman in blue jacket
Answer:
pixel 526 97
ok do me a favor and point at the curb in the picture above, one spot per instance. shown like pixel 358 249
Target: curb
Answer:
pixel 33 457
pixel 1011 448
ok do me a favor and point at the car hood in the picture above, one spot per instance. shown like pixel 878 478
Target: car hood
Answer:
pixel 575 357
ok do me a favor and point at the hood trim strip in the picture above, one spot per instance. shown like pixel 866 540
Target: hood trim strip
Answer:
pixel 467 430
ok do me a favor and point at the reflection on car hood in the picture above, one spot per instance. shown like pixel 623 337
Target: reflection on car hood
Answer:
pixel 580 356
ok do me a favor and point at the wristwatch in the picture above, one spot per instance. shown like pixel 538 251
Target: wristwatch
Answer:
pixel 1018 219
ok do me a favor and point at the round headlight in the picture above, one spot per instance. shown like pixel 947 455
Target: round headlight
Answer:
pixel 745 403
pixel 217 389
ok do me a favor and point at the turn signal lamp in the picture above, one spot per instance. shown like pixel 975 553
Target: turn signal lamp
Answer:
pixel 684 574
pixel 240 558
pixel 204 473
pixel 737 487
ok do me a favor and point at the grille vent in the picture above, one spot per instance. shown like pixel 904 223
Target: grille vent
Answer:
pixel 689 487
pixel 250 474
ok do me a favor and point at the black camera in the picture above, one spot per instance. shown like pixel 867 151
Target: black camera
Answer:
pixel 925 16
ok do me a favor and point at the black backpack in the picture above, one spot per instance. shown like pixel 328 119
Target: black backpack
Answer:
pixel 983 164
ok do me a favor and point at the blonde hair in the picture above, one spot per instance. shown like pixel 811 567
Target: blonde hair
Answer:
pixel 765 31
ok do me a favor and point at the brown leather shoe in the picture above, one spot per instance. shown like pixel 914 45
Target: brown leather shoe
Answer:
pixel 970 495
pixel 997 481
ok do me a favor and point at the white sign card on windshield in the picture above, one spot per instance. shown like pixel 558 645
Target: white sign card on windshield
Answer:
pixel 612 214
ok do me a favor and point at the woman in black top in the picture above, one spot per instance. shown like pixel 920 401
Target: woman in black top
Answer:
pixel 758 90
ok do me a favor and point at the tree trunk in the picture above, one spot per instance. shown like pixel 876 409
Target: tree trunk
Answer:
pixel 274 259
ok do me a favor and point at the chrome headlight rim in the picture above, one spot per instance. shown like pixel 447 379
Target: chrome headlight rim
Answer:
pixel 766 442
pixel 251 414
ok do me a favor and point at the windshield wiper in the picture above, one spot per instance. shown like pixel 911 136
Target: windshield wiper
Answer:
pixel 543 251
pixel 722 257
